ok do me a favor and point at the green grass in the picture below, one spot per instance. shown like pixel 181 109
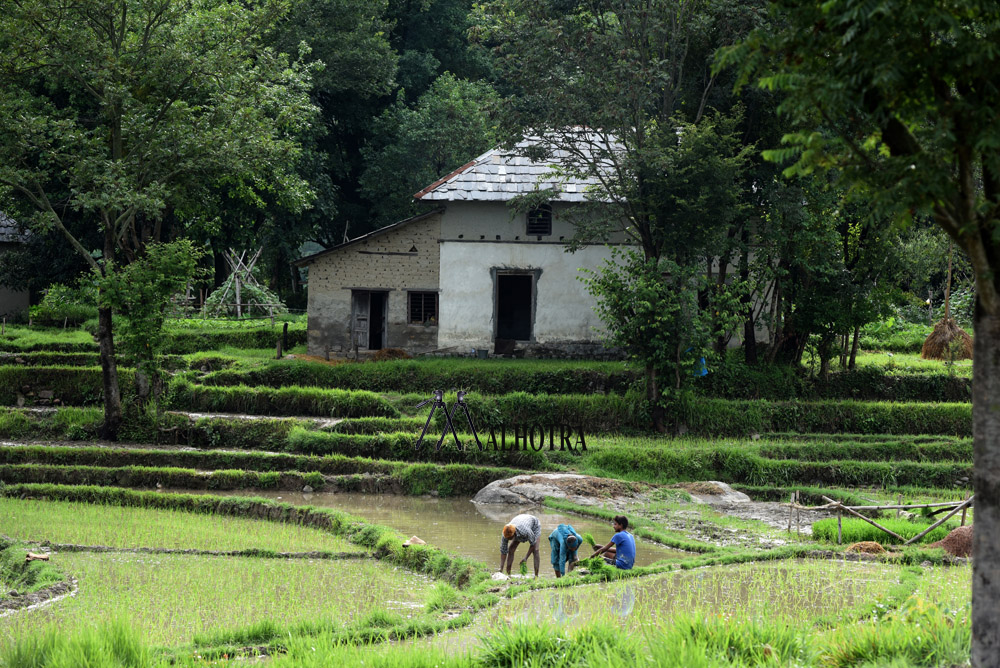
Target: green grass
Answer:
pixel 123 526
pixel 24 339
pixel 173 598
pixel 856 530
pixel 912 363
pixel 22 576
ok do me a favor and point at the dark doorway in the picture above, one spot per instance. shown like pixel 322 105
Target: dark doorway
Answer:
pixel 514 308
pixel 376 328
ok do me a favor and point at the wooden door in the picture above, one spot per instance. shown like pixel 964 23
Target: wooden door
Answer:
pixel 361 308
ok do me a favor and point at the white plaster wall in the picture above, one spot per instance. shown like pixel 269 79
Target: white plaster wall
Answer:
pixel 564 310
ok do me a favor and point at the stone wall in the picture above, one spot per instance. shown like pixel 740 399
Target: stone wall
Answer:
pixel 383 261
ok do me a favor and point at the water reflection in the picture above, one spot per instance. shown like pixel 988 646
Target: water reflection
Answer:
pixel 459 526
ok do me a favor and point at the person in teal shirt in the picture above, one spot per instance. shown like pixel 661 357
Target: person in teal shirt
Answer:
pixel 564 541
pixel 620 552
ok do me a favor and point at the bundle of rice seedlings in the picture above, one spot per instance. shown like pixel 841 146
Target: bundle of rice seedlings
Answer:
pixel 589 540
pixel 948 342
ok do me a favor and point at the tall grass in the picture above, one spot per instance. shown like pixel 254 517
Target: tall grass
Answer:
pixel 115 644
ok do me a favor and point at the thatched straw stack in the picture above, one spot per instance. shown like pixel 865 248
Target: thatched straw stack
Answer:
pixel 948 341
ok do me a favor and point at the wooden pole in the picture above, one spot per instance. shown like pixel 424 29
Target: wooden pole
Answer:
pixel 947 286
pixel 840 528
pixel 791 511
pixel 239 306
pixel 912 506
pixel 963 514
pixel 898 510
pixel 798 525
pixel 277 354
pixel 965 504
pixel 869 520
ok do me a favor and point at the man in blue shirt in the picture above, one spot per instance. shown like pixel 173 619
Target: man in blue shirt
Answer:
pixel 620 552
pixel 564 541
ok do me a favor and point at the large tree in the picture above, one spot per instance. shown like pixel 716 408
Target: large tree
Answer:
pixel 624 95
pixel 901 98
pixel 124 112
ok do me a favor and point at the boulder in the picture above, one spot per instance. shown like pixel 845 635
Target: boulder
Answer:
pixel 534 488
pixel 714 493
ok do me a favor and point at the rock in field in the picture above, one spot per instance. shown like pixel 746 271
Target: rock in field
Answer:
pixel 534 488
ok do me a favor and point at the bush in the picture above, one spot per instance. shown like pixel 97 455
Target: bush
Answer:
pixel 66 305
pixel 894 336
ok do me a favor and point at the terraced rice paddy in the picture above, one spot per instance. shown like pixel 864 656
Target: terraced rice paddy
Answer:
pixel 781 592
pixel 462 527
pixel 128 527
pixel 172 598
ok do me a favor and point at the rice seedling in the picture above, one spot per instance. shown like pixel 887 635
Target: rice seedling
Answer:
pixel 855 530
pixel 124 526
pixel 442 597
pixel 172 598
pixel 753 591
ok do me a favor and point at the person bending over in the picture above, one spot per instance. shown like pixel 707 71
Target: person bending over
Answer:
pixel 620 552
pixel 564 542
pixel 522 529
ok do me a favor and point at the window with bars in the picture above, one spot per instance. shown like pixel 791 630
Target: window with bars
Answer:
pixel 540 221
pixel 423 308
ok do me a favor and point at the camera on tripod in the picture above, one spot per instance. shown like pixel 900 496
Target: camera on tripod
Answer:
pixel 437 401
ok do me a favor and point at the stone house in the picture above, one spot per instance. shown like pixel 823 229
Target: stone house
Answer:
pixel 11 301
pixel 471 274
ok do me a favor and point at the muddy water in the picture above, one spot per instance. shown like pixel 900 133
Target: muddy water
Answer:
pixel 460 526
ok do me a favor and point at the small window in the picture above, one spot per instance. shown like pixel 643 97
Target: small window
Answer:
pixel 540 221
pixel 423 308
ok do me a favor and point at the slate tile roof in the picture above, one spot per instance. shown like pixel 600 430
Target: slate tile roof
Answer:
pixel 501 175
pixel 9 231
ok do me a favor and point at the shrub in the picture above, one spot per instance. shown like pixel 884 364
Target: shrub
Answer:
pixel 63 304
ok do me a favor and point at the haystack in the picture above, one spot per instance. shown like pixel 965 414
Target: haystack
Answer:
pixel 948 341
pixel 866 547
pixel 958 543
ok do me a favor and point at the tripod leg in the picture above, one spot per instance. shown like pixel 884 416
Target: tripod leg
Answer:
pixel 427 424
pixel 449 425
pixel 472 426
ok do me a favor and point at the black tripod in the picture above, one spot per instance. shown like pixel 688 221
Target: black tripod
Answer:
pixel 468 417
pixel 438 402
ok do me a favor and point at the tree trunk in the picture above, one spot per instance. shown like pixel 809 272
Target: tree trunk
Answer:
pixel 986 478
pixel 749 331
pixel 852 363
pixel 653 397
pixel 109 376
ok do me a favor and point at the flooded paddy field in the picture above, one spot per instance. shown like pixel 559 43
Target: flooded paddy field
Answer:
pixel 460 526
pixel 170 599
pixel 773 592
pixel 68 522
